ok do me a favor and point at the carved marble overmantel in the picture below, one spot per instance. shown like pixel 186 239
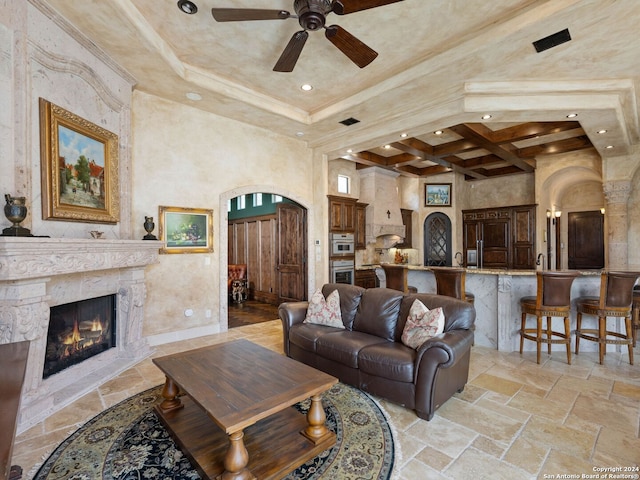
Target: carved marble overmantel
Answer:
pixel 38 273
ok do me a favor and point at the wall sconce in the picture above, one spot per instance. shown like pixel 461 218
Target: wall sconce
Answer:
pixel 602 210
pixel 548 213
pixel 557 214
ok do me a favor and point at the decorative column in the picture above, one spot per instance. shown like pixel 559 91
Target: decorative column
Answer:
pixel 24 315
pixel 505 314
pixel 617 195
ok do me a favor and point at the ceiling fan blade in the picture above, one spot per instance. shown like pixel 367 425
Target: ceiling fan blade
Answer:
pixel 358 52
pixel 343 7
pixel 242 14
pixel 292 51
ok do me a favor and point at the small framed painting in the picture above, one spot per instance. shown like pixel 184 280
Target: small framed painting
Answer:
pixel 186 230
pixel 79 168
pixel 437 195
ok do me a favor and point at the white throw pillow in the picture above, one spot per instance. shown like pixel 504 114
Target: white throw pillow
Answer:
pixel 422 324
pixel 325 312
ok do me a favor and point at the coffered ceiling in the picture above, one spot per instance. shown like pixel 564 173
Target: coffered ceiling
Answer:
pixel 441 66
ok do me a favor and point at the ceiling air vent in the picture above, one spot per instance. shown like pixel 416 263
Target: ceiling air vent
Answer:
pixel 349 121
pixel 552 40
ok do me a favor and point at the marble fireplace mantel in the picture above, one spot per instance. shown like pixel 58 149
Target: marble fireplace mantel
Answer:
pixel 38 273
pixel 24 258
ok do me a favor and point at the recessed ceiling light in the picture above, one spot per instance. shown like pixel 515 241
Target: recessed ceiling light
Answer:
pixel 387 147
pixel 572 115
pixel 187 7
pixel 194 96
pixel 299 134
pixel 350 150
pixel 438 132
pixel 486 117
pixel 602 131
pixel 609 147
pixel 306 87
pixel 404 135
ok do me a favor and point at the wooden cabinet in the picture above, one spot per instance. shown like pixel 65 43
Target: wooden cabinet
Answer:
pixel 500 237
pixel 361 225
pixel 366 279
pixel 524 237
pixel 342 214
pixel 408 228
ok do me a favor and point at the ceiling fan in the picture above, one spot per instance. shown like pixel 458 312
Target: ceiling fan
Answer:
pixel 311 15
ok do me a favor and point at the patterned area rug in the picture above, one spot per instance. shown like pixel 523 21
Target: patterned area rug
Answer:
pixel 128 442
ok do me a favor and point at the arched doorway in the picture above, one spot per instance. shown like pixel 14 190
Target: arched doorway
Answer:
pixel 267 235
pixel 437 240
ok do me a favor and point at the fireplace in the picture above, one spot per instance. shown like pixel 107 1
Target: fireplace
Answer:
pixel 38 278
pixel 78 331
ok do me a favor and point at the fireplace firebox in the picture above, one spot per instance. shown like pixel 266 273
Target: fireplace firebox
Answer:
pixel 78 331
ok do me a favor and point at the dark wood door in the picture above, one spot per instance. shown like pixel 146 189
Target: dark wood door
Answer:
pixel 524 237
pixel 495 243
pixel 586 240
pixel 472 233
pixel 292 252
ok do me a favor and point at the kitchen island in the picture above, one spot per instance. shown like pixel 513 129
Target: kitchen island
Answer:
pixel 497 296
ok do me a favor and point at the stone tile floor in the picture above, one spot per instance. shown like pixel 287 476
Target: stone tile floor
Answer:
pixel 514 420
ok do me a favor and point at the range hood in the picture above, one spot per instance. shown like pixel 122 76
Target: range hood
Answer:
pixel 379 189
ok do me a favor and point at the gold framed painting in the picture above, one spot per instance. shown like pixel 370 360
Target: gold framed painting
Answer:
pixel 79 162
pixel 186 230
pixel 437 195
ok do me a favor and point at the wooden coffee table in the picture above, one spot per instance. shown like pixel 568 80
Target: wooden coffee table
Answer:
pixel 236 420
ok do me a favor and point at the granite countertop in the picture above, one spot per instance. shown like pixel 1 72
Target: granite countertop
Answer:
pixel 479 271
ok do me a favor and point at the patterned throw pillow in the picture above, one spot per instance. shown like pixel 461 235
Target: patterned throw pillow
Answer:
pixel 422 324
pixel 325 312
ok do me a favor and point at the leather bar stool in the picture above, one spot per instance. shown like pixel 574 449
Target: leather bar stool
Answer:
pixel 450 282
pixel 615 300
pixel 553 299
pixel 396 278
pixel 635 314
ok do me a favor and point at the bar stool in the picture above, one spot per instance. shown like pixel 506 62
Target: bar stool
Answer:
pixel 450 282
pixel 616 300
pixel 635 314
pixel 553 299
pixel 396 278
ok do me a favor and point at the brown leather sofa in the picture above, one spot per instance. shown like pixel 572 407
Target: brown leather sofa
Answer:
pixel 369 354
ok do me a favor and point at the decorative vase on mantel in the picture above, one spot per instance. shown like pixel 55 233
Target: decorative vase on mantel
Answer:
pixel 16 211
pixel 149 226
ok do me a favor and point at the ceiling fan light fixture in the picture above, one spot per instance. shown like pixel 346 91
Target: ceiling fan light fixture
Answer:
pixel 187 7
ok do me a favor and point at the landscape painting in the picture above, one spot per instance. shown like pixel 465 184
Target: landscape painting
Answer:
pixel 437 195
pixel 83 183
pixel 79 168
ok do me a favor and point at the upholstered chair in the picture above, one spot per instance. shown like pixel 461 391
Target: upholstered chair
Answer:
pixel 615 300
pixel 553 299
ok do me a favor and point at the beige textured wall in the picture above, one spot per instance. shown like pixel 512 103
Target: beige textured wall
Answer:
pixel 185 157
